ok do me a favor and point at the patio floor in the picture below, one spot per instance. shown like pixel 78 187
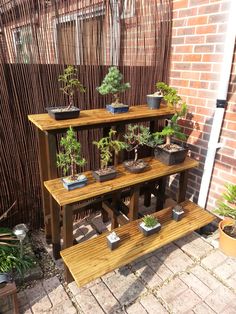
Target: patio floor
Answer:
pixel 187 276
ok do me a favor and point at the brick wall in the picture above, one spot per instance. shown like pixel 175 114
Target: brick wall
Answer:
pixel 199 28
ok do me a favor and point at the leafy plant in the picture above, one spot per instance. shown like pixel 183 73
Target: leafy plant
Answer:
pixel 136 136
pixel 112 84
pixel 71 155
pixel 150 221
pixel 227 206
pixel 7 238
pixel 71 84
pixel 169 94
pixel 108 145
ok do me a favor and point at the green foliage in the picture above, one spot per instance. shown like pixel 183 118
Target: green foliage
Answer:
pixel 150 221
pixel 71 83
pixel 108 145
pixel 10 260
pixel 169 94
pixel 72 153
pixel 112 83
pixel 136 136
pixel 227 206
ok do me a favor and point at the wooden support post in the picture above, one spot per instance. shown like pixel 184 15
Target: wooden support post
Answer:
pixel 183 181
pixel 133 206
pixel 67 226
pixel 56 235
pixel 44 176
pixel 160 197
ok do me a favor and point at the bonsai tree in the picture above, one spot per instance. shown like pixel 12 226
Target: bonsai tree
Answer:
pixel 112 84
pixel 169 94
pixel 171 129
pixel 71 157
pixel 71 84
pixel 137 135
pixel 227 207
pixel 108 145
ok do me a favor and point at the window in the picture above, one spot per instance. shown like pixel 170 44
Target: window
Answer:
pixel 23 42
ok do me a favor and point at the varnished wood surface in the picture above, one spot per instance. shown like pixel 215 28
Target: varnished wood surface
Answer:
pixel 99 117
pixel 92 259
pixel 124 179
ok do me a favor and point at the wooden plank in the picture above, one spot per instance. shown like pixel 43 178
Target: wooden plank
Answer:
pixel 100 117
pixel 92 259
pixel 124 179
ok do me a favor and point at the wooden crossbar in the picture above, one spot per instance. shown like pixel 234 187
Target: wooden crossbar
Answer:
pixel 92 259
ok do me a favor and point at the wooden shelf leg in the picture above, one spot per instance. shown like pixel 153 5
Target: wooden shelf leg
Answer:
pixel 67 226
pixel 183 182
pixel 55 224
pixel 133 206
pixel 160 197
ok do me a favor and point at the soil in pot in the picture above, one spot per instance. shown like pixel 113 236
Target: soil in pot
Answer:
pixel 102 175
pixel 171 155
pixel 135 167
pixel 63 113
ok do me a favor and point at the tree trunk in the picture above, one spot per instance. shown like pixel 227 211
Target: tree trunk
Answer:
pixel 135 155
pixel 168 140
pixel 71 102
pixel 117 100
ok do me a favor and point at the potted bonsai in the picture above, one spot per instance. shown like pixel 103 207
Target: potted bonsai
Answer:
pixel 107 145
pixel 69 159
pixel 113 240
pixel 149 225
pixel 112 84
pixel 227 227
pixel 154 100
pixel 136 136
pixel 169 152
pixel 70 85
pixel 177 212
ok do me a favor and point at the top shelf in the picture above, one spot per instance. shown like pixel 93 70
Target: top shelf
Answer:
pixel 100 118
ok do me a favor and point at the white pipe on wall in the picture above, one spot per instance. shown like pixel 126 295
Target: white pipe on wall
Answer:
pixel 220 105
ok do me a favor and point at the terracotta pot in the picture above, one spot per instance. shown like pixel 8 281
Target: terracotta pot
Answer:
pixel 227 243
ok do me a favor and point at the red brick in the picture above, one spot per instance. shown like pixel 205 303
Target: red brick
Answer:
pixel 204 48
pixel 206 29
pixel 177 40
pixel 197 20
pixel 199 84
pixel 180 4
pixel 201 67
pixel 179 83
pixel 209 76
pixel 215 38
pixel 188 12
pixel 186 31
pixel 182 66
pixel 194 57
pixel 218 18
pixel 184 49
pixel 212 58
pixel 207 9
pixel 198 2
pixel 190 75
pixel 194 39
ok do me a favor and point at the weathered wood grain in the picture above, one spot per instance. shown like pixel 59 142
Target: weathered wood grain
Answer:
pixel 92 259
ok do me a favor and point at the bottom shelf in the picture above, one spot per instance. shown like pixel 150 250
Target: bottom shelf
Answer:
pixel 92 259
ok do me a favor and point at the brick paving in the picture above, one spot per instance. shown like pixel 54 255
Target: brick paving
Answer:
pixel 187 276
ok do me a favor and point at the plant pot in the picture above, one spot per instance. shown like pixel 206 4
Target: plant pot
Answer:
pixel 227 243
pixel 62 113
pixel 4 279
pixel 138 167
pixel 113 244
pixel 115 109
pixel 172 156
pixel 74 184
pixel 146 231
pixel 153 101
pixel 105 175
pixel 177 213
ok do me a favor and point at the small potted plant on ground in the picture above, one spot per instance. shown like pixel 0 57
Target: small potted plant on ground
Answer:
pixel 71 85
pixel 113 240
pixel 171 153
pixel 107 146
pixel 227 227
pixel 149 225
pixel 154 100
pixel 136 136
pixel 177 212
pixel 69 159
pixel 112 84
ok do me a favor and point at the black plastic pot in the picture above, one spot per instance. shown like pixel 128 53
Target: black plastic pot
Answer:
pixel 117 110
pixel 4 279
pixel 169 157
pixel 154 101
pixel 105 176
pixel 147 233
pixel 62 113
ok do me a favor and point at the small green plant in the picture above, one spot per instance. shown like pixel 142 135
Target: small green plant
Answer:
pixel 169 94
pixel 112 84
pixel 108 145
pixel 71 157
pixel 150 221
pixel 227 205
pixel 71 84
pixel 136 136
